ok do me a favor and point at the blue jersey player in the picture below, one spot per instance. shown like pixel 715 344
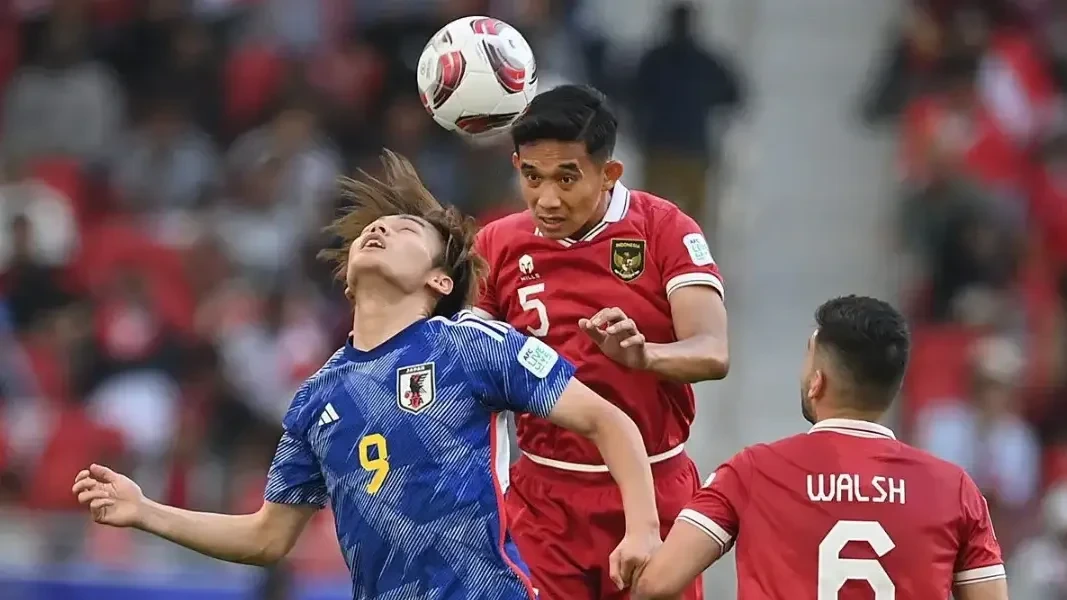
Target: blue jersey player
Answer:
pixel 403 430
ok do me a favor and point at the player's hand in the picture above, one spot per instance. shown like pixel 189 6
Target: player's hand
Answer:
pixel 630 557
pixel 112 498
pixel 617 336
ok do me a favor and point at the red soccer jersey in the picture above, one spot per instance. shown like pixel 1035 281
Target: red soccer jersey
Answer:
pixel 644 249
pixel 845 510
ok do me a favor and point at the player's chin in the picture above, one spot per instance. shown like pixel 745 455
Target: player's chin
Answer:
pixel 557 230
pixel 364 262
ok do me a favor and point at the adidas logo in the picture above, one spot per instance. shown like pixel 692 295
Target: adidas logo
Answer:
pixel 329 415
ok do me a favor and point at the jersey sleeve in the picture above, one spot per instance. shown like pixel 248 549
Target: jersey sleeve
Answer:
pixel 295 476
pixel 979 558
pixel 487 293
pixel 508 370
pixel 716 507
pixel 680 248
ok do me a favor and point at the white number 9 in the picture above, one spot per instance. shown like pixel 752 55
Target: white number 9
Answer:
pixel 834 571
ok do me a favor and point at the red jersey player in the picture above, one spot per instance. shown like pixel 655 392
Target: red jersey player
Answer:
pixel 621 283
pixel 844 511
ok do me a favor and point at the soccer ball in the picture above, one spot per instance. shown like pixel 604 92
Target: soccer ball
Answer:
pixel 476 76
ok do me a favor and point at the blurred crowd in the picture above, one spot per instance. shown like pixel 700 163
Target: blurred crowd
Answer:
pixel 166 168
pixel 978 91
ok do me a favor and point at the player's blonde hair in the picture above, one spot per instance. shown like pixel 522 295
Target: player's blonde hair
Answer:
pixel 400 191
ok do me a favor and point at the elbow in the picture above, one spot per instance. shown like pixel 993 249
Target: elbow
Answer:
pixel 718 365
pixel 270 546
pixel 715 363
pixel 652 587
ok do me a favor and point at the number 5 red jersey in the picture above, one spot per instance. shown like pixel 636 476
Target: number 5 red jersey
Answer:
pixel 843 511
pixel 642 251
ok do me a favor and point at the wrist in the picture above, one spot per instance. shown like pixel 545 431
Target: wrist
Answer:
pixel 147 517
pixel 653 357
pixel 642 528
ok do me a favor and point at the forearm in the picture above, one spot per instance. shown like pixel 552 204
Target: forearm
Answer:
pixel 233 538
pixel 619 442
pixel 699 358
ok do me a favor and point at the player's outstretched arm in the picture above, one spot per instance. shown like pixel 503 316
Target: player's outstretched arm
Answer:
pixel 261 538
pixel 986 590
pixel 582 411
pixel 685 554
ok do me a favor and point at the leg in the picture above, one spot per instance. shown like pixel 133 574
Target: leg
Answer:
pixel 675 485
pixel 550 539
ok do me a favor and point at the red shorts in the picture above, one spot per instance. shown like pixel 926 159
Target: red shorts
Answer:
pixel 567 523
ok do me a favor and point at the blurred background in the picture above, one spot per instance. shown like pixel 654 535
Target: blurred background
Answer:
pixel 166 167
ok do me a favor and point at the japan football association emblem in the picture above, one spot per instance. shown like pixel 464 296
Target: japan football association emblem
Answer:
pixel 415 387
pixel 627 258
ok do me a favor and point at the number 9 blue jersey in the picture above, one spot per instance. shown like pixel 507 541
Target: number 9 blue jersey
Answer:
pixel 408 443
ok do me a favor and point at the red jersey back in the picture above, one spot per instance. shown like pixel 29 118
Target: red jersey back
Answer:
pixel 843 511
pixel 644 249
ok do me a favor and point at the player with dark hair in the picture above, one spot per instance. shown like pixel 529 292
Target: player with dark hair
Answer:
pixel 403 430
pixel 845 509
pixel 621 283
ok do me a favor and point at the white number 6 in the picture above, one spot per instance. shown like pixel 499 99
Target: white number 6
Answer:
pixel 528 302
pixel 834 571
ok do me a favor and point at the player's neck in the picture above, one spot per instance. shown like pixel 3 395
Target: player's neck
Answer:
pixel 850 415
pixel 598 216
pixel 378 315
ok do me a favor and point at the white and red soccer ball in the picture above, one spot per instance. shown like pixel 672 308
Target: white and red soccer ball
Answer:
pixel 476 75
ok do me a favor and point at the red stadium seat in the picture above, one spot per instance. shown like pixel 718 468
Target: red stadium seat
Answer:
pixel 115 245
pixel 1055 470
pixel 253 76
pixel 74 441
pixel 64 175
pixel 939 366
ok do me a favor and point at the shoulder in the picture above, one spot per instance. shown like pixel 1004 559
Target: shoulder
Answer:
pixel 310 394
pixel 520 221
pixel 468 329
pixel 320 381
pixel 659 217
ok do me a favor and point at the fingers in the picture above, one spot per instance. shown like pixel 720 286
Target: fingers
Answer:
pixel 615 569
pixel 592 331
pixel 84 485
pixel 608 316
pixel 90 496
pixel 81 475
pixel 632 341
pixel 102 473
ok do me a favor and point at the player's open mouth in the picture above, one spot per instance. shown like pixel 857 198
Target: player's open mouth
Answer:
pixel 373 241
pixel 551 222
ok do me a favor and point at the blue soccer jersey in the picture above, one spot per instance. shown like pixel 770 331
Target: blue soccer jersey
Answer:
pixel 408 442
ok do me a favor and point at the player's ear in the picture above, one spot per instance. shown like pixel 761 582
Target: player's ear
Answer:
pixel 612 173
pixel 515 159
pixel 441 283
pixel 817 385
pixel 349 294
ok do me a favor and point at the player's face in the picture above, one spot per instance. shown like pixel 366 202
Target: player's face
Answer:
pixel 811 383
pixel 401 249
pixel 563 187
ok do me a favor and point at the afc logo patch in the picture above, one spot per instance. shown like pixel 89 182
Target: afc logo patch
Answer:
pixel 415 387
pixel 627 258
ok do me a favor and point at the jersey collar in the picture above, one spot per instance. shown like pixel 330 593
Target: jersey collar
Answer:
pixel 855 428
pixel 618 206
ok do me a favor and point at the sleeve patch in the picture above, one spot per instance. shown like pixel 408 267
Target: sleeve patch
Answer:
pixel 537 357
pixel 698 249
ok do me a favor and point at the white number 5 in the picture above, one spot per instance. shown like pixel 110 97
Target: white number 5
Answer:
pixel 834 571
pixel 528 302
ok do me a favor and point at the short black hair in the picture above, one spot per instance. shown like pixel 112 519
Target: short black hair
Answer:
pixel 869 340
pixel 569 113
